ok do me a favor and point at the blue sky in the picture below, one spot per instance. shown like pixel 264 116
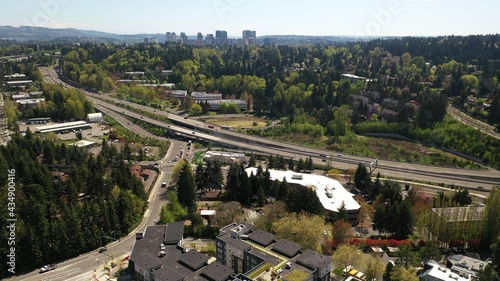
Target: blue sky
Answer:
pixel 267 17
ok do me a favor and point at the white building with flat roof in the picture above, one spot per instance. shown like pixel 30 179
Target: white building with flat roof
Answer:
pixel 330 192
pixel 437 272
pixel 204 96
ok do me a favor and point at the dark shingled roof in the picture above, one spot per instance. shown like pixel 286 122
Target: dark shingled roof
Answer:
pixel 237 243
pixel 174 232
pixel 312 259
pixel 262 237
pixel 287 247
pixel 166 273
pixel 217 272
pixel 193 259
pixel 147 261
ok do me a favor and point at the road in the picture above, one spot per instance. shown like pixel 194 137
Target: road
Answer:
pixel 470 178
pixel 82 267
pixel 474 123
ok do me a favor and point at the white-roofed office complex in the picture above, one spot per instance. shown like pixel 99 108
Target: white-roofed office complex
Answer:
pixel 330 192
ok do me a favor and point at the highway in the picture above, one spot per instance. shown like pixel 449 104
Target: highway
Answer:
pixel 470 178
pixel 83 267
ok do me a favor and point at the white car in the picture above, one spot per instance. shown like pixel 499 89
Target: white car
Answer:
pixel 279 270
pixel 47 267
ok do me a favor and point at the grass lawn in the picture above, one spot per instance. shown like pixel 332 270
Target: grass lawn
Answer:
pixel 297 275
pixel 260 270
pixel 239 122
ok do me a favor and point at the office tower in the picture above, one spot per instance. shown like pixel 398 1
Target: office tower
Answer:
pixel 220 37
pixel 171 37
pixel 210 40
pixel 199 39
pixel 249 37
pixel 184 38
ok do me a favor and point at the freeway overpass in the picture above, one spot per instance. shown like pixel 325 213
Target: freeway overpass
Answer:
pixel 470 178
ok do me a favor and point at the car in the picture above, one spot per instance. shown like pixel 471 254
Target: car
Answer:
pixel 279 270
pixel 194 133
pixel 169 161
pixel 211 126
pixel 47 267
pixel 103 249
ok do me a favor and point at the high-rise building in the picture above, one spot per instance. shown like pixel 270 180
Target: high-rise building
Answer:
pixel 220 37
pixel 249 37
pixel 171 37
pixel 210 40
pixel 184 38
pixel 199 39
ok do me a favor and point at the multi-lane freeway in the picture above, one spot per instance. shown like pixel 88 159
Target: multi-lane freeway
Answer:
pixel 470 178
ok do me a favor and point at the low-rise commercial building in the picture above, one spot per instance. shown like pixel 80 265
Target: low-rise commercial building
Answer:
pixel 214 105
pixel 433 271
pixel 330 192
pixel 204 96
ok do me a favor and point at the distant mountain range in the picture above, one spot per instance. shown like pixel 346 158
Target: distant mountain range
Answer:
pixel 31 33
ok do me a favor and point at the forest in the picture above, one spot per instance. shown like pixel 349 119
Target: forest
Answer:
pixel 406 84
pixel 67 201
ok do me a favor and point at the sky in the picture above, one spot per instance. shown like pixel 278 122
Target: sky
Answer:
pixel 267 17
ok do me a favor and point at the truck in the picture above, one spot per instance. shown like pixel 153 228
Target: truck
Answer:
pixel 225 127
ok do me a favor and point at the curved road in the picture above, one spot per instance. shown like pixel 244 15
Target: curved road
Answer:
pixel 474 123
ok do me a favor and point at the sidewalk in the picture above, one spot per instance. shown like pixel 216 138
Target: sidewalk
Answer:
pixel 111 270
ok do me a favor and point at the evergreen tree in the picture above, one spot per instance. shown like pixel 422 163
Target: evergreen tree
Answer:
pixel 186 189
pixel 362 179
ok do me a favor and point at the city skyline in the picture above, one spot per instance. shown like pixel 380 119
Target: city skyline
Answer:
pixel 363 18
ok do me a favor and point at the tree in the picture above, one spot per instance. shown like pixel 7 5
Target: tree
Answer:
pixel 227 213
pixel 374 268
pixel 307 230
pixel 429 251
pixel 388 271
pixel 364 211
pixel 491 223
pixel 347 255
pixel 487 274
pixel 462 197
pixel 196 109
pixel 340 230
pixel 362 179
pixel 403 273
pixel 270 214
pixel 186 189
pixel 406 256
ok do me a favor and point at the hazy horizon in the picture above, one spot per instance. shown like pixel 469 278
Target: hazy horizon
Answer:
pixel 419 18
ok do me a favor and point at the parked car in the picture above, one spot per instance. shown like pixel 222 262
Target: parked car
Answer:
pixel 102 250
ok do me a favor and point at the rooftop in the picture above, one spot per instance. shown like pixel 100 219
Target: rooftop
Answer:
pixel 438 272
pixel 217 272
pixel 330 192
pixel 174 232
pixel 172 263
pixel 287 247
pixel 262 237
pixel 194 259
pixel 467 262
pixel 313 259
